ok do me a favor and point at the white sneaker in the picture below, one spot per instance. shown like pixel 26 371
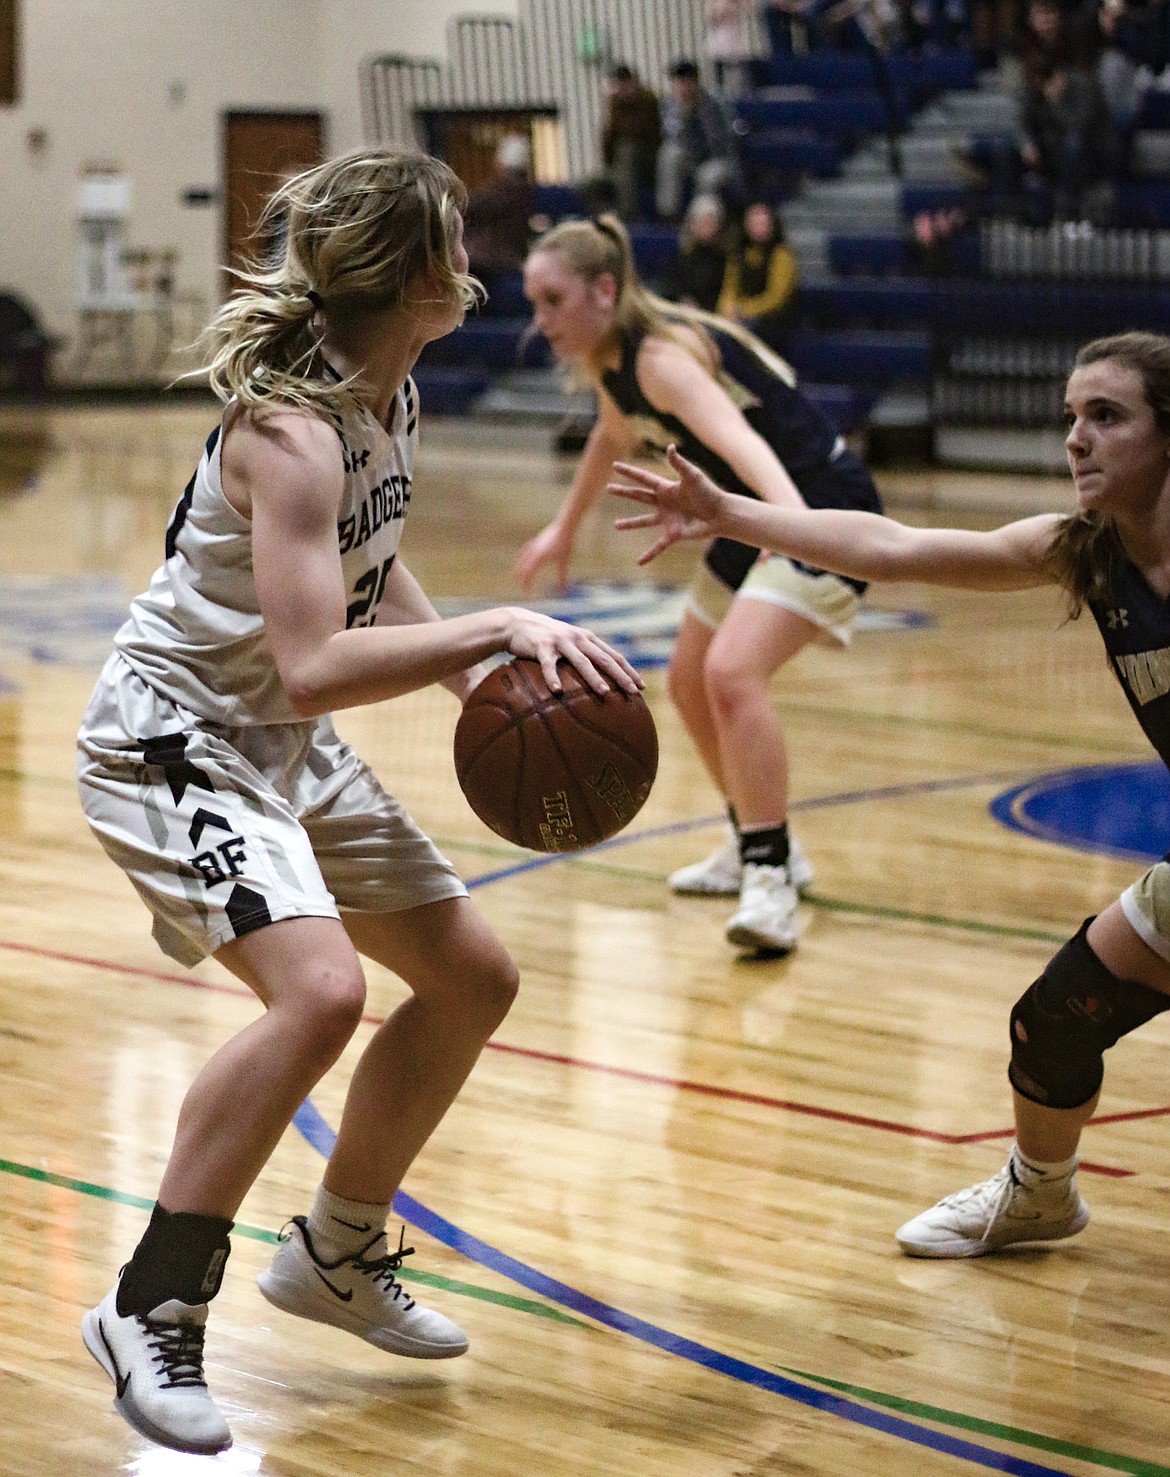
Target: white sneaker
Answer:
pixel 996 1213
pixel 766 916
pixel 156 1364
pixel 359 1293
pixel 721 873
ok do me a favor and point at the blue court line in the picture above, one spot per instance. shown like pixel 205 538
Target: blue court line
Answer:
pixel 815 802
pixel 314 1129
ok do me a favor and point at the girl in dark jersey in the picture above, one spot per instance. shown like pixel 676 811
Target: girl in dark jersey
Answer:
pixel 1113 556
pixel 667 375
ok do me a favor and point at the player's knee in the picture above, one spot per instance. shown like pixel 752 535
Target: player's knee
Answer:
pixel 496 986
pixel 1064 1023
pixel 335 1003
pixel 728 684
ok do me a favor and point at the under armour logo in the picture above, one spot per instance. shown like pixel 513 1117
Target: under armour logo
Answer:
pixel 1118 620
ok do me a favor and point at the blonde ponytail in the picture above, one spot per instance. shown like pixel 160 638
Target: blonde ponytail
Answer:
pixel 351 235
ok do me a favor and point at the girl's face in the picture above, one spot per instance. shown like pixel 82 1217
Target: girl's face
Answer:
pixel 1119 458
pixel 573 313
pixel 438 314
pixel 706 225
pixel 757 224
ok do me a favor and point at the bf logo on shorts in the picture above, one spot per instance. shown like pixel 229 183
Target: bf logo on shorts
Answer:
pixel 223 862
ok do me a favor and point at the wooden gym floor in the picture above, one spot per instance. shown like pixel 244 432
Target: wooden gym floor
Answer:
pixel 664 1205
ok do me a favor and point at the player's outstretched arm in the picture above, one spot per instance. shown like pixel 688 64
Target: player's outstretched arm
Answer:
pixel 864 546
pixel 553 545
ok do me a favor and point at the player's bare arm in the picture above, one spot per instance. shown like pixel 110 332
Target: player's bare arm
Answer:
pixel 288 469
pixel 676 383
pixel 610 438
pixel 861 545
pixel 404 602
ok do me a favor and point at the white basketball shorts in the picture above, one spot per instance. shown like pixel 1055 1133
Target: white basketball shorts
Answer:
pixel 224 830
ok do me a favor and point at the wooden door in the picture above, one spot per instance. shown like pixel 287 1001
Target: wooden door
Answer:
pixel 260 150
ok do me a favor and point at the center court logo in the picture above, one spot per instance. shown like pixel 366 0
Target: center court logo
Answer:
pixel 642 620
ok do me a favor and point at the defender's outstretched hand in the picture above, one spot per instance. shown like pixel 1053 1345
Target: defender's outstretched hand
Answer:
pixel 689 508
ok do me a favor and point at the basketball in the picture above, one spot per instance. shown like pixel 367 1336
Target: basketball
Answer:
pixel 554 771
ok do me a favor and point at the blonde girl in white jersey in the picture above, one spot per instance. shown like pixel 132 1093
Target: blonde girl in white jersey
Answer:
pixel 210 771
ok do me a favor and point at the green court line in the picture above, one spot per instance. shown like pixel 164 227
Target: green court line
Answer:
pixel 914 1408
pixel 1051 1444
pixel 258 1233
pixel 815 900
pixel 934 920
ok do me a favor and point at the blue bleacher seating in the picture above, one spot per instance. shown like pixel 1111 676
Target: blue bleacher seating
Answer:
pixel 1155 110
pixel 655 249
pixel 919 76
pixel 449 389
pixel 861 356
pixel 495 344
pixel 860 111
pixel 559 201
pixel 791 151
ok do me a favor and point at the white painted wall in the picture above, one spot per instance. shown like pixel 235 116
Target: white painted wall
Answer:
pixel 142 84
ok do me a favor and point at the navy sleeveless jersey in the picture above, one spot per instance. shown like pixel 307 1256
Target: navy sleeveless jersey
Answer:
pixel 1135 626
pixel 764 389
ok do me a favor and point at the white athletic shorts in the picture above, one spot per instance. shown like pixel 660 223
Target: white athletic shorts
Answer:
pixel 1146 905
pixel 824 599
pixel 224 830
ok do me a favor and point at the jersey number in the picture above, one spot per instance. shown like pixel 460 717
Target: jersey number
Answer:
pixel 369 589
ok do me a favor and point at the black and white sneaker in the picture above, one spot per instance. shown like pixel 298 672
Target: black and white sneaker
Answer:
pixel 156 1364
pixel 359 1293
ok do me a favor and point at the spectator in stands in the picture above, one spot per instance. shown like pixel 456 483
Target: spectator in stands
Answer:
pixel 729 45
pixel 872 26
pixel 1134 52
pixel 497 221
pixel 761 278
pixel 795 26
pixel 631 130
pixel 696 277
pixel 1069 142
pixel 697 153
pixel 1050 38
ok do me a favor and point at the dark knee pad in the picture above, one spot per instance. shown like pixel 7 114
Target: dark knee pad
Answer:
pixel 1064 1023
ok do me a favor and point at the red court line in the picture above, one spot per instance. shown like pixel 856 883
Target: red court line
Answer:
pixel 632 1074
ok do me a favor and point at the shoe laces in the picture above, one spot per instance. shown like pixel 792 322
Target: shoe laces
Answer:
pixel 767 881
pixel 986 1193
pixel 179 1353
pixel 383 1268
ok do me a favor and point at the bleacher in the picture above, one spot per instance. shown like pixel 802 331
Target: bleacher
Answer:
pixel 870 324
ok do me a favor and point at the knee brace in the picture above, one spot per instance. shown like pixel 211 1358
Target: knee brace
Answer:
pixel 1064 1023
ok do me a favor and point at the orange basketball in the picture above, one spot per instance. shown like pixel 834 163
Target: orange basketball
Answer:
pixel 554 771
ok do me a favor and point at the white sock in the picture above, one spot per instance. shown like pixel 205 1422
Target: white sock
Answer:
pixel 1036 1172
pixel 341 1227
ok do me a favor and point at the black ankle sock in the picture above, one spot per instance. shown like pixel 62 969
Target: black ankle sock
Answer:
pixel 767 847
pixel 182 1255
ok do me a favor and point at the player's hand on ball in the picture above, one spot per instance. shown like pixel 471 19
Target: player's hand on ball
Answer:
pixel 686 508
pixel 549 641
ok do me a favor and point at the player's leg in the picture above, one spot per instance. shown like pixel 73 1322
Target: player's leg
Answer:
pixel 779 609
pixel 335 1265
pixel 147 1333
pixel 1105 982
pixel 721 873
pixel 755 639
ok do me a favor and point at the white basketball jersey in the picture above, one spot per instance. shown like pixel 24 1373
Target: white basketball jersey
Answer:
pixel 197 635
